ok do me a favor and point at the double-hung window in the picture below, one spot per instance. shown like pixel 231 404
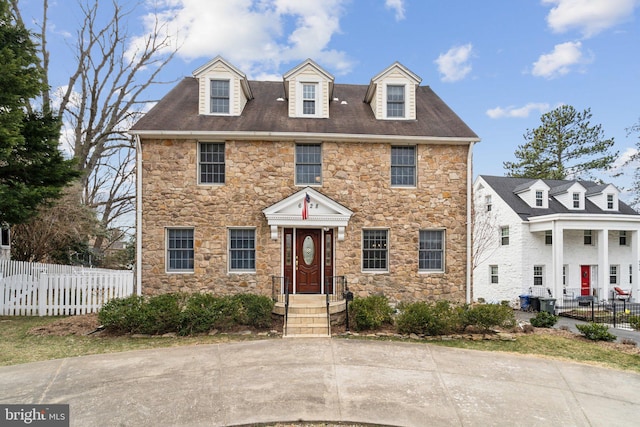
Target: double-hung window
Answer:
pixel 375 252
pixel 242 250
pixel 309 98
pixel 548 237
pixel 576 200
pixel 395 101
pixel 403 166
pixel 588 237
pixel 609 201
pixel 613 274
pixel 493 273
pixel 623 238
pixel 220 96
pixel 504 236
pixel 538 275
pixel 308 164
pixel 488 203
pixel 431 254
pixel 539 195
pixel 180 249
pixel 211 163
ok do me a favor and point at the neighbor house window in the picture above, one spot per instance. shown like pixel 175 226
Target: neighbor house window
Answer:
pixel 242 249
pixel 539 198
pixel 4 236
pixel 588 237
pixel 609 201
pixel 308 164
pixel 180 249
pixel 564 275
pixel 211 163
pixel 395 101
pixel 375 252
pixel 538 271
pixel 309 98
pixel 548 237
pixel 630 273
pixel 220 96
pixel 431 254
pixel 576 200
pixel 487 201
pixel 504 236
pixel 403 166
pixel 623 238
pixel 613 274
pixel 493 272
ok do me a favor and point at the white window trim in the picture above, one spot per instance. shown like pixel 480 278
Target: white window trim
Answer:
pixel 444 252
pixel 415 168
pixel 295 165
pixel 231 81
pixel 541 275
pixel 395 82
pixel 166 250
pixel 372 271
pixel 491 275
pixel 199 177
pixel 300 99
pixel 255 240
pixel 615 275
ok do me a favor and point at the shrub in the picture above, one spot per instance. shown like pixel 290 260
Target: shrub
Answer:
pixel 487 316
pixel 162 313
pixel 634 321
pixel 596 332
pixel 544 320
pixel 370 312
pixel 200 314
pixel 252 310
pixel 122 315
pixel 424 318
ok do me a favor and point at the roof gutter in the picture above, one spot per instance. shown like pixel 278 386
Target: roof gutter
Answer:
pixel 303 136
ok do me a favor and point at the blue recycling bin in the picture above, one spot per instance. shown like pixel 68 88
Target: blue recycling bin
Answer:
pixel 524 302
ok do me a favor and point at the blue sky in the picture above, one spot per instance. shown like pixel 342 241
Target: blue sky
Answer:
pixel 499 64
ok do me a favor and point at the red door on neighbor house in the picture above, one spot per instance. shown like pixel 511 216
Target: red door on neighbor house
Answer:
pixel 585 280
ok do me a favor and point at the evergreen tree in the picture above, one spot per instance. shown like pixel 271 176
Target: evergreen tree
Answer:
pixel 32 169
pixel 565 145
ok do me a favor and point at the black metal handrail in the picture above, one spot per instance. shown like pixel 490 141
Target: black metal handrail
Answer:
pixel 335 287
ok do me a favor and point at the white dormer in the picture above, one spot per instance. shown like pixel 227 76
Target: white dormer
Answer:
pixel 534 193
pixel 309 89
pixel 570 195
pixel 604 196
pixel 223 89
pixel 392 93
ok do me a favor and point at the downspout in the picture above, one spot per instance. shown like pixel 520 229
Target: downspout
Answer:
pixel 138 215
pixel 469 220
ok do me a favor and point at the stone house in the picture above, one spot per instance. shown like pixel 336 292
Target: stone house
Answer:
pixel 566 238
pixel 304 184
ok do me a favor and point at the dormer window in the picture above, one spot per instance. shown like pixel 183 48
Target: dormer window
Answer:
pixel 610 201
pixel 220 96
pixel 309 98
pixel 539 199
pixel 395 101
pixel 576 200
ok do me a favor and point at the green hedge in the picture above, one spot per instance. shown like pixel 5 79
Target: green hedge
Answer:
pixel 185 314
pixel 370 312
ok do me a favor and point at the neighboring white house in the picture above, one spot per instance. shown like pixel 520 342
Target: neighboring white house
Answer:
pixel 537 236
pixel 5 243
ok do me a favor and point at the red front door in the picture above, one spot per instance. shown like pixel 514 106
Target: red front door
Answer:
pixel 585 280
pixel 307 264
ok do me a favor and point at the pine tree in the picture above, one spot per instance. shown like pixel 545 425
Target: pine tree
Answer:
pixel 32 169
pixel 565 145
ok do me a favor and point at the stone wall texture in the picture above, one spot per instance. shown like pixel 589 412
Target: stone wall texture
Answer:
pixel 261 173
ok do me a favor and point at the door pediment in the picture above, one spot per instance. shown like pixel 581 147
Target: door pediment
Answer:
pixel 322 212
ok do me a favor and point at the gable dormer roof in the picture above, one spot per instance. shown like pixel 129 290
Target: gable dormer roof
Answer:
pixel 220 69
pixel 307 65
pixel 396 67
pixel 308 82
pixel 391 94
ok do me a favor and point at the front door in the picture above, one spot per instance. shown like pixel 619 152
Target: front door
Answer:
pixel 585 280
pixel 308 262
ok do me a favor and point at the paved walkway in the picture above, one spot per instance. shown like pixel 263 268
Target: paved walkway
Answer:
pixel 322 379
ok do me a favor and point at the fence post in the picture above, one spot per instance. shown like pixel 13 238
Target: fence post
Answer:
pixel 42 294
pixel 614 313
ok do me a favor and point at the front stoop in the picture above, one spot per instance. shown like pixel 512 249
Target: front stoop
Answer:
pixel 307 316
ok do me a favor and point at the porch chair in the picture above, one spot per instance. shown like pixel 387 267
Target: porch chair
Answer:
pixel 621 294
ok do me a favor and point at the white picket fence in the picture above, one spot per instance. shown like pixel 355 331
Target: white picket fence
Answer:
pixel 34 289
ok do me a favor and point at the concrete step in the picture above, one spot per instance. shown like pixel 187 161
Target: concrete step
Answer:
pixel 297 331
pixel 307 319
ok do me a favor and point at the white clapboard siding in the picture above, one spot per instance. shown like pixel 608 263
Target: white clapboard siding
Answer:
pixel 28 289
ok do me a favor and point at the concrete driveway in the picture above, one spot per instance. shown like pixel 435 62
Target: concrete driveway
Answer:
pixel 321 379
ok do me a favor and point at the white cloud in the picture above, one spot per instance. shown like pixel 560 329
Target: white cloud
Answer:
pixel 398 6
pixel 255 35
pixel 454 64
pixel 521 112
pixel 588 16
pixel 560 61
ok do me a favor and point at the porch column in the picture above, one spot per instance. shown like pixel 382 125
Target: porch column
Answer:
pixel 557 249
pixel 635 263
pixel 603 264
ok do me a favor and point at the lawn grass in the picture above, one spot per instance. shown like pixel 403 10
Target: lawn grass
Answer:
pixel 17 345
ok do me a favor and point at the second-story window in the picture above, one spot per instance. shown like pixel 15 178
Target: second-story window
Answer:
pixel 576 200
pixel 548 237
pixel 539 199
pixel 308 164
pixel 488 203
pixel 309 99
pixel 623 238
pixel 504 236
pixel 220 96
pixel 211 163
pixel 588 237
pixel 395 101
pixel 609 201
pixel 403 166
